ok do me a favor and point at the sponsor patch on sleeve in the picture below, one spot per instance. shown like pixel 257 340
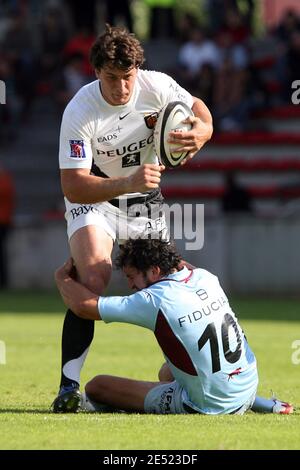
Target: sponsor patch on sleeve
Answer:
pixel 77 149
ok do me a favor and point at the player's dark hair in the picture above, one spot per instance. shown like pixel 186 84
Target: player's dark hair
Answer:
pixel 118 48
pixel 143 254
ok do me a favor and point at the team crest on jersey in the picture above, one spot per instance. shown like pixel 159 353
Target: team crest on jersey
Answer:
pixel 77 149
pixel 150 120
pixel 131 159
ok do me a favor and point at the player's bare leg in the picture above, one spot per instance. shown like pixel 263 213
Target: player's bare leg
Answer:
pixel 91 249
pixel 272 405
pixel 118 393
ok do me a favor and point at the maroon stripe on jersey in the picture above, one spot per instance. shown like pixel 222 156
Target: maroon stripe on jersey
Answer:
pixel 171 345
pixel 185 280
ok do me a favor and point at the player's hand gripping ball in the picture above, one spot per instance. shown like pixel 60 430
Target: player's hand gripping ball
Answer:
pixel 171 118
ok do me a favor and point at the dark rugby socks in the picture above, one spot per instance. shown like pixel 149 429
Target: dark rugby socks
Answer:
pixel 77 336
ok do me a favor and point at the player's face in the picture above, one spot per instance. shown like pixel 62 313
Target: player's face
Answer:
pixel 137 280
pixel 116 84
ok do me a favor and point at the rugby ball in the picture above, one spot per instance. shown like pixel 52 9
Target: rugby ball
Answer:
pixel 170 119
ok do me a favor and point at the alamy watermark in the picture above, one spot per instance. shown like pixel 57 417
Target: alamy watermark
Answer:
pixel 296 354
pixel 296 95
pixel 151 220
pixel 2 352
pixel 2 92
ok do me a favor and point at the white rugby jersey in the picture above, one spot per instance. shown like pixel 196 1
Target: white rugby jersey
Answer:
pixel 199 335
pixel 118 138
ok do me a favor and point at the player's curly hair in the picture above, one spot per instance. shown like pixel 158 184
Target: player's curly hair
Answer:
pixel 143 254
pixel 117 47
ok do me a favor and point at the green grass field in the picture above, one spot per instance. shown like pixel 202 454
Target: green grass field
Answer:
pixel 30 326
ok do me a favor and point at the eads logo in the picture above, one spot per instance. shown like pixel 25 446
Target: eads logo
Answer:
pixel 107 138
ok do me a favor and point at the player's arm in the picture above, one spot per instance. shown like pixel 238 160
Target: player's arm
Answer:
pixel 80 186
pixel 201 111
pixel 82 301
pixel 201 132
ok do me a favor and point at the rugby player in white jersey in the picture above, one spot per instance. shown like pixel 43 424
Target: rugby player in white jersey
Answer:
pixel 210 367
pixel 110 174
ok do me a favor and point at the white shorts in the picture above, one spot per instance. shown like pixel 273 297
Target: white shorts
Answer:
pixel 171 398
pixel 165 399
pixel 121 219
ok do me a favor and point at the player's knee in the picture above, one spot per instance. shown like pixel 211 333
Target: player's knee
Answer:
pixel 91 388
pixel 96 279
pixel 96 284
pixel 165 374
pixel 95 388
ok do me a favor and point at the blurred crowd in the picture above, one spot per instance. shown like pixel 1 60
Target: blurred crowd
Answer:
pixel 235 71
pixel 44 51
pixel 224 55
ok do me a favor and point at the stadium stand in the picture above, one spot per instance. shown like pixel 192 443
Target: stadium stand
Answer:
pixel 265 156
pixel 266 163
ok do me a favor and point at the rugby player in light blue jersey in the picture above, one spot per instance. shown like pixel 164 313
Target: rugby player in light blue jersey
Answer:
pixel 210 367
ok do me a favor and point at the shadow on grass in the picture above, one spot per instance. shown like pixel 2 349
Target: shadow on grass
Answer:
pixel 38 411
pixel 273 309
pixel 22 411
pixel 38 301
pixel 28 301
pixel 255 308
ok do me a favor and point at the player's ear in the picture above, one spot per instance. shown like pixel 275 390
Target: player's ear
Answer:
pixel 155 273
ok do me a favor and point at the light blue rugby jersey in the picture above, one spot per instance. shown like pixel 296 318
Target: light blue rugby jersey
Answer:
pixel 199 335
